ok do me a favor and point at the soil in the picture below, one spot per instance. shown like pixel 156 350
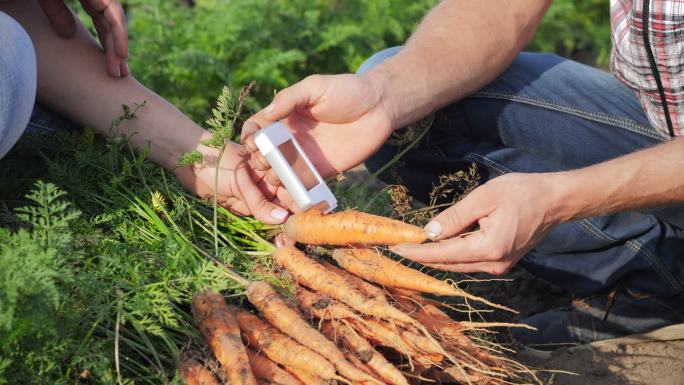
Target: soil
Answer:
pixel 630 361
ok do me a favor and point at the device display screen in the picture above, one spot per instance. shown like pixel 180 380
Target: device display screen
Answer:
pixel 298 164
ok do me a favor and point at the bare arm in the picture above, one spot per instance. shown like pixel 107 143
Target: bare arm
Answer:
pixel 459 47
pixel 73 81
pixel 516 210
pixel 648 178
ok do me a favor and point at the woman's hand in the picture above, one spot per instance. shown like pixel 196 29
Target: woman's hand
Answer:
pixel 240 188
pixel 514 212
pixel 109 21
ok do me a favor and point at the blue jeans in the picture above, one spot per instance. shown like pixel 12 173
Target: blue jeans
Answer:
pixel 546 114
pixel 17 81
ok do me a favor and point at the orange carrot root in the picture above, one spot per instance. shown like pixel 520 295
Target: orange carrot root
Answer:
pixel 283 317
pixel 350 228
pixel 220 329
pixel 366 288
pixel 313 275
pixel 375 267
pixel 308 378
pixel 281 348
pixel 365 351
pixel 265 369
pixel 192 372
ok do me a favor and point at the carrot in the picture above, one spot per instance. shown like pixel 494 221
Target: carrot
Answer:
pixel 429 315
pixel 375 267
pixel 283 317
pixel 322 307
pixel 220 329
pixel 365 351
pixel 380 335
pixel 265 369
pixel 361 366
pixel 349 228
pixel 313 275
pixel 308 378
pixel 366 288
pixel 281 348
pixel 192 372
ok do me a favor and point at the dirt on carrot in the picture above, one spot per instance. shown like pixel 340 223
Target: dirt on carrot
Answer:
pixel 272 307
pixel 364 351
pixel 267 370
pixel 220 329
pixel 282 349
pixel 192 372
pixel 313 275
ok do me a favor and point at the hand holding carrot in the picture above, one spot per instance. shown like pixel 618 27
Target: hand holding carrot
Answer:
pixel 513 211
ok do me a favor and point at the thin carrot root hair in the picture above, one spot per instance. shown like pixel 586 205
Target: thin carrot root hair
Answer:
pixel 365 351
pixel 350 227
pixel 375 267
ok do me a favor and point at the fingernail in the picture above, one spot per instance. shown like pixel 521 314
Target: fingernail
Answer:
pixel 126 70
pixel 279 214
pixel 269 109
pixel 434 229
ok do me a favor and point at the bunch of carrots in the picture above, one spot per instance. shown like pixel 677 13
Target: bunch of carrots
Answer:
pixel 363 320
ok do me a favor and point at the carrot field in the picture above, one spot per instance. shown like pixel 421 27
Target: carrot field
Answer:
pixel 112 273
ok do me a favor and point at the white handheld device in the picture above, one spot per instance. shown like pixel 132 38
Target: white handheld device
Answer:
pixel 299 176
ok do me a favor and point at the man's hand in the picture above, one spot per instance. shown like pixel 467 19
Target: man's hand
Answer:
pixel 340 120
pixel 109 21
pixel 513 211
pixel 240 189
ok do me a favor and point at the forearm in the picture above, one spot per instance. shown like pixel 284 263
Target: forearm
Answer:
pixel 73 81
pixel 459 47
pixel 648 178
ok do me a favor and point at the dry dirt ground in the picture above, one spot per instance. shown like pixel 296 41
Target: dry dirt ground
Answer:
pixel 633 360
pixel 655 358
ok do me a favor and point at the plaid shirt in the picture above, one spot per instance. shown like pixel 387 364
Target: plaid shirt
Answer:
pixel 648 56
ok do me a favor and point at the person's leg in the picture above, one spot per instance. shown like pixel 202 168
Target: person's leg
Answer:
pixel 546 114
pixel 17 81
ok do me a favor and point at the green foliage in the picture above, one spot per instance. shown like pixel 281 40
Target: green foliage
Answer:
pixel 107 238
pixel 577 29
pixel 92 234
pixel 188 54
pixel 221 123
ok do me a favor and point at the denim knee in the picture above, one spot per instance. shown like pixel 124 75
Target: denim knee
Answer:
pixel 18 75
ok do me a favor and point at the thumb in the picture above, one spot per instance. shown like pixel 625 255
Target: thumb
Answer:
pixel 258 204
pixel 296 97
pixel 459 217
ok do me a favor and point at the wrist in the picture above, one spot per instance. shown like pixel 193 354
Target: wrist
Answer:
pixel 183 141
pixel 380 79
pixel 567 200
